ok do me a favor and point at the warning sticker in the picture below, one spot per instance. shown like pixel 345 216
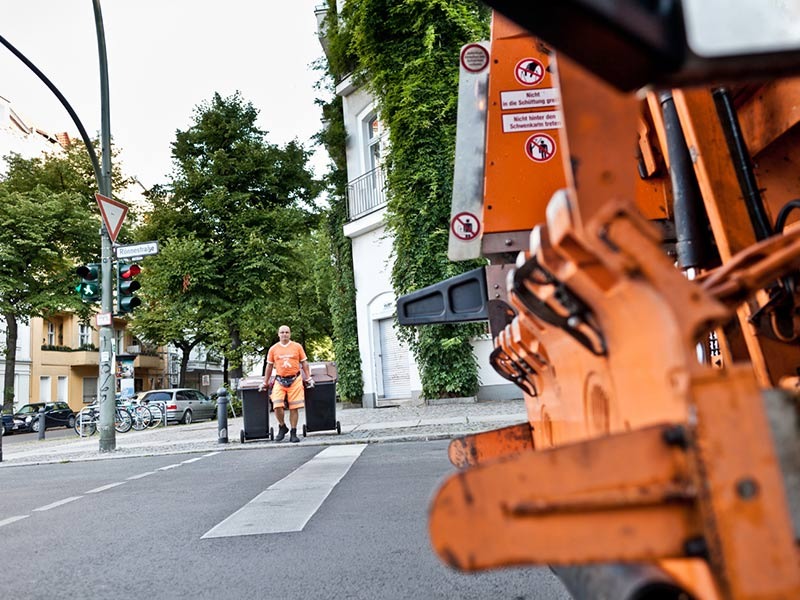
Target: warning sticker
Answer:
pixel 532 121
pixel 542 98
pixel 529 71
pixel 465 226
pixel 540 147
pixel 474 58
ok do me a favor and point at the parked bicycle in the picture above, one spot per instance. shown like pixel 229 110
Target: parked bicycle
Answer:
pixel 87 420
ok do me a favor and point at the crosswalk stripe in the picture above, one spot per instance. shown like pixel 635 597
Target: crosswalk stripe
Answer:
pixel 289 504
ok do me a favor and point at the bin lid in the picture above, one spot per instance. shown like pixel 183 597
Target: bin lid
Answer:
pixel 323 372
pixel 250 383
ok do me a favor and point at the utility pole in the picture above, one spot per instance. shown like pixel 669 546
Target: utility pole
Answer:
pixel 106 382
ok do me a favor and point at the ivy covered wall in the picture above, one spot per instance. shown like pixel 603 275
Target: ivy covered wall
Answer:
pixel 406 54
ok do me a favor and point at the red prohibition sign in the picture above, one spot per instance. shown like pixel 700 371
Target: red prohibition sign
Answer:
pixel 529 71
pixel 465 226
pixel 540 147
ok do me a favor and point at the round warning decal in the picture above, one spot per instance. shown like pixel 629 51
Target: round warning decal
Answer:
pixel 465 226
pixel 529 71
pixel 474 58
pixel 540 147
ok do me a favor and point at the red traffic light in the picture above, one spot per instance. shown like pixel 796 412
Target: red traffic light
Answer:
pixel 129 271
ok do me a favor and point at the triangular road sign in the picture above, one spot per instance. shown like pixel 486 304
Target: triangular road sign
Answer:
pixel 113 214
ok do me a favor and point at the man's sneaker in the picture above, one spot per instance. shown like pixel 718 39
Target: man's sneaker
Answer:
pixel 282 431
pixel 293 436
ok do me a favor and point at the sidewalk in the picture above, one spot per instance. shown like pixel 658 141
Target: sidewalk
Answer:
pixel 359 425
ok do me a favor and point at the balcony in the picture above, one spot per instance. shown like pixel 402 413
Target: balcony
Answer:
pixel 366 194
pixel 64 356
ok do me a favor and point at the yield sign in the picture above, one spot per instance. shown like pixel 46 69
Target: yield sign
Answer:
pixel 113 214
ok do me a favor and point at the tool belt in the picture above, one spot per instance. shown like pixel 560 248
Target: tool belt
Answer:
pixel 286 381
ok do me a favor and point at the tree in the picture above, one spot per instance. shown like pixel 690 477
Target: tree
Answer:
pixel 49 221
pixel 250 205
pixel 41 236
pixel 178 297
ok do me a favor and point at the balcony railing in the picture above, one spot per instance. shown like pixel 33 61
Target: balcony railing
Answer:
pixel 366 194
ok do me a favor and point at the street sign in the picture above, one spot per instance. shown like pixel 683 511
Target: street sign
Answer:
pixel 103 319
pixel 136 250
pixel 113 214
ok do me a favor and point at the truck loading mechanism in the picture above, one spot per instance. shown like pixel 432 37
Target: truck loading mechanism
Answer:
pixel 644 299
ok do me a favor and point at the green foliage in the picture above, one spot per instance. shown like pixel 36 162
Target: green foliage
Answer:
pixel 342 297
pixel 248 206
pixel 49 224
pixel 408 56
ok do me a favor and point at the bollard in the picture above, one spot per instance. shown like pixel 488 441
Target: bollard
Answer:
pixel 42 421
pixel 222 416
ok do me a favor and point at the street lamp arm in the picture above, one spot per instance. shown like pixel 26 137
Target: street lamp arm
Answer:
pixel 64 102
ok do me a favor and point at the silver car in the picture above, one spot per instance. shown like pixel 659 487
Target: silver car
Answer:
pixel 183 404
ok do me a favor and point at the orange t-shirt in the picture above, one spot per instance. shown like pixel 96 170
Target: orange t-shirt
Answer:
pixel 286 359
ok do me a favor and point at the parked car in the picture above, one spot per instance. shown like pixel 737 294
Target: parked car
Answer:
pixel 183 404
pixel 7 424
pixel 57 414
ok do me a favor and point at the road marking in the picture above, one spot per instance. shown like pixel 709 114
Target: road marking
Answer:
pixel 10 520
pixel 168 467
pixel 192 460
pixel 211 454
pixel 289 504
pixel 59 503
pixel 103 488
pixel 140 475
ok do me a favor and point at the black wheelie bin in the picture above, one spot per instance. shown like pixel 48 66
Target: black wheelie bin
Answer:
pixel 255 410
pixel 321 399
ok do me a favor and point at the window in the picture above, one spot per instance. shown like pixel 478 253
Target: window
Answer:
pixel 61 389
pixel 89 390
pixel 44 388
pixel 84 334
pixel 51 333
pixel 373 138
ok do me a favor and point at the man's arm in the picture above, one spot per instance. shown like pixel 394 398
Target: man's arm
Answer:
pixel 304 366
pixel 267 373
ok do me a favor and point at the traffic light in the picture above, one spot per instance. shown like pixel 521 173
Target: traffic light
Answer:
pixel 89 287
pixel 126 287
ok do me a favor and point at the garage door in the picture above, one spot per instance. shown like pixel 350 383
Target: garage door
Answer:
pixel 394 362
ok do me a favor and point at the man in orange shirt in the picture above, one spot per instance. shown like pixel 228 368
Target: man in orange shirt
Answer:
pixel 287 358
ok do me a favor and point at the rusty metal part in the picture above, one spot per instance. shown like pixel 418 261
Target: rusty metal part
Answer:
pixel 479 448
pixel 754 268
pixel 570 505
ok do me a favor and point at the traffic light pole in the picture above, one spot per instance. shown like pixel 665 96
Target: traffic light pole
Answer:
pixel 106 382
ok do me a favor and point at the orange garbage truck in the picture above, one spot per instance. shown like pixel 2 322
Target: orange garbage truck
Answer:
pixel 630 171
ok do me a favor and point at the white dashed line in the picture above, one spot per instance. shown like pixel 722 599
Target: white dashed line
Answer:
pixel 211 454
pixel 59 503
pixel 103 488
pixel 191 460
pixel 168 467
pixel 10 520
pixel 140 475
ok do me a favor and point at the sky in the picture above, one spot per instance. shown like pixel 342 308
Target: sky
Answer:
pixel 165 57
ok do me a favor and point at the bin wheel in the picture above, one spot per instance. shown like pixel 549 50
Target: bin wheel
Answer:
pixel 241 435
pixel 271 433
pixel 304 431
pixel 338 428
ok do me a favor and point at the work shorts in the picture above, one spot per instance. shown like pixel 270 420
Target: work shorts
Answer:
pixel 295 394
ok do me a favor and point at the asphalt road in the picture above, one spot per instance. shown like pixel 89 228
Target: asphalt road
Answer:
pixel 132 528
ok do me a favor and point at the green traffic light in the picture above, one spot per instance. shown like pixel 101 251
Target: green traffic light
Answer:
pixel 89 286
